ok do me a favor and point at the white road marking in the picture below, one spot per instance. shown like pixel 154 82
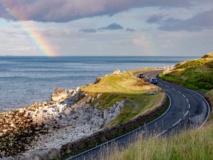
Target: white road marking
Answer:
pixel 179 92
pixel 176 122
pixel 161 133
pixel 187 100
pixel 173 89
pixel 186 113
pixel 184 95
pixel 189 106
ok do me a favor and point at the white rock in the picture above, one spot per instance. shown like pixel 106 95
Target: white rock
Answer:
pixel 88 100
pixel 67 111
pixel 58 94
pixel 117 71
pixel 86 106
pixel 61 107
pixel 78 89
pixel 96 105
pixel 105 114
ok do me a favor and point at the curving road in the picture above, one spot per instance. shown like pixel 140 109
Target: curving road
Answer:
pixel 187 109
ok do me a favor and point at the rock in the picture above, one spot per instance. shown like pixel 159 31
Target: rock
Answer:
pixel 99 95
pixel 70 91
pixel 117 110
pixel 152 93
pixel 89 100
pixel 97 80
pixel 67 111
pixel 44 154
pixel 117 71
pixel 105 114
pixel 7 158
pixel 44 103
pixel 59 94
pixel 87 106
pixel 78 89
pixel 96 105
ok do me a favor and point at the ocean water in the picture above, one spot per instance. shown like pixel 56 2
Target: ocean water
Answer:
pixel 24 80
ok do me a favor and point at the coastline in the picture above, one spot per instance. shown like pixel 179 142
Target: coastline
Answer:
pixel 46 126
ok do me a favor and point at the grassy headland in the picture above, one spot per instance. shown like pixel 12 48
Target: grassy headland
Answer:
pixel 192 144
pixel 125 86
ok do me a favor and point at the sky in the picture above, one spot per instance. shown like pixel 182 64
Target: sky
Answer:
pixel 106 27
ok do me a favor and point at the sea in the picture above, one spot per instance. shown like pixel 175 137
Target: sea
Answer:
pixel 25 80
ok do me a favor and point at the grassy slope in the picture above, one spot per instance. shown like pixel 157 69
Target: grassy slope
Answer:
pixel 193 144
pixel 124 86
pixel 196 74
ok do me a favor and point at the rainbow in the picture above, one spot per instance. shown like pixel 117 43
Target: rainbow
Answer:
pixel 44 47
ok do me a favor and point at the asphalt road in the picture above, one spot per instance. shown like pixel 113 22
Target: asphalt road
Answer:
pixel 187 109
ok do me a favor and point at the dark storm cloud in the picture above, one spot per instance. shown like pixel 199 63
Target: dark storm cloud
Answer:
pixel 68 10
pixel 197 23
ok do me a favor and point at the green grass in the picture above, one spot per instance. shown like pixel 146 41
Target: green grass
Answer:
pixel 136 105
pixel 196 74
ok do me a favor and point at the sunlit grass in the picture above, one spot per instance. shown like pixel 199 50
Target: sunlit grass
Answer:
pixel 125 82
pixel 193 144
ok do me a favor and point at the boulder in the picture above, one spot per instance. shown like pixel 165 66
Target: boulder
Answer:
pixel 105 114
pixel 59 94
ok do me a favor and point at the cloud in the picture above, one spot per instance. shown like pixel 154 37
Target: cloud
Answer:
pixel 113 26
pixel 68 10
pixel 56 33
pixel 88 30
pixel 155 19
pixel 130 30
pixel 199 22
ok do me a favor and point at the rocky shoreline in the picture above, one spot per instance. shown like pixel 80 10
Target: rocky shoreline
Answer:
pixel 68 117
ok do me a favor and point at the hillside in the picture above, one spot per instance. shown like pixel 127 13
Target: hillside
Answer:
pixel 192 144
pixel 195 74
